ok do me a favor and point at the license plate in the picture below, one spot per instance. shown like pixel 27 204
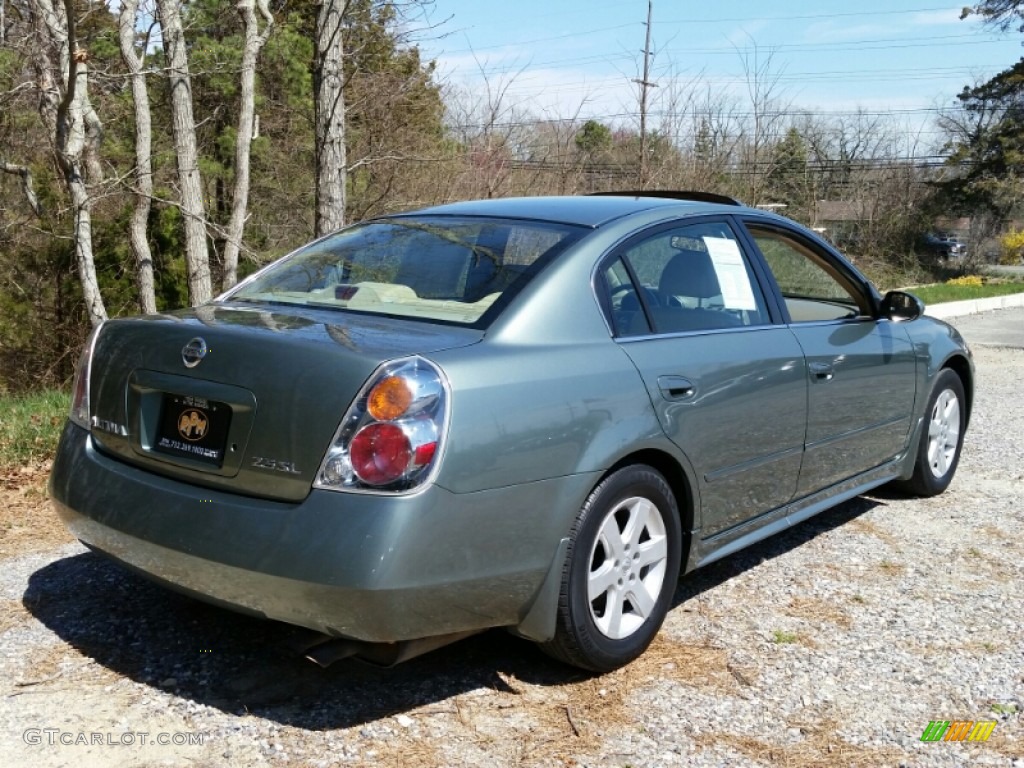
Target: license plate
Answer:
pixel 193 428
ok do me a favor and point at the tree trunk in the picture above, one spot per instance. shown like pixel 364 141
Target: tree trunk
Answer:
pixel 329 111
pixel 193 210
pixel 143 158
pixel 62 73
pixel 254 42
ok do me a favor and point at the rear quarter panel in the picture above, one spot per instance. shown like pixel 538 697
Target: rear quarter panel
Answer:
pixel 524 413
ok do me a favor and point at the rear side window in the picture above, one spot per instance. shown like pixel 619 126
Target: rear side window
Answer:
pixel 432 268
pixel 686 278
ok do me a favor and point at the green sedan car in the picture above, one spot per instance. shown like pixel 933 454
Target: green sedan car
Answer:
pixel 531 413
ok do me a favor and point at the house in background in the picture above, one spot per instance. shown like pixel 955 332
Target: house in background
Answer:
pixel 840 220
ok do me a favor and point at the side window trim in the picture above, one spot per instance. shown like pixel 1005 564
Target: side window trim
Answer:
pixel 762 272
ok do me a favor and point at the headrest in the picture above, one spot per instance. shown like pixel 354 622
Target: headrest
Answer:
pixel 690 273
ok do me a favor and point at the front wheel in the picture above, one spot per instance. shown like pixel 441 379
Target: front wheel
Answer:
pixel 621 568
pixel 942 438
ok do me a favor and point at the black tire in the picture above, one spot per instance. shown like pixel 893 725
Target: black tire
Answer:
pixel 938 452
pixel 591 633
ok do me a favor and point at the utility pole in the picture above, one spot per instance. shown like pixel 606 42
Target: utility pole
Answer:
pixel 645 85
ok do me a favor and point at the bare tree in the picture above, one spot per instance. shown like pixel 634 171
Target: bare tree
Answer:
pixel 491 128
pixel 713 137
pixel 253 43
pixel 62 76
pixel 768 114
pixel 329 117
pixel 143 171
pixel 193 209
pixel 27 184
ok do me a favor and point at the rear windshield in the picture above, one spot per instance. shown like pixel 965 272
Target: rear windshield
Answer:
pixel 432 268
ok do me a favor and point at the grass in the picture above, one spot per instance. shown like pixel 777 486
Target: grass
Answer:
pixel 890 567
pixel 30 426
pixel 1004 709
pixel 782 637
pixel 937 293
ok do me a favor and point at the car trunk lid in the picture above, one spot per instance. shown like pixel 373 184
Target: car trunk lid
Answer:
pixel 242 398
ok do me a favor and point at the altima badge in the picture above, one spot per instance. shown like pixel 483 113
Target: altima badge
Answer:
pixel 193 353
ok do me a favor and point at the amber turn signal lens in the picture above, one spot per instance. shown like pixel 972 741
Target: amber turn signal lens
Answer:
pixel 389 399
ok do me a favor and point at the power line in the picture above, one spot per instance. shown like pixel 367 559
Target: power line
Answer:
pixel 688 21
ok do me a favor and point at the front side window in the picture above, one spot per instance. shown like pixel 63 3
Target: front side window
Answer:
pixel 811 286
pixel 431 268
pixel 685 278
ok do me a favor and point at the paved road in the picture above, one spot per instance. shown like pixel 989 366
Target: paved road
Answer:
pixel 1002 328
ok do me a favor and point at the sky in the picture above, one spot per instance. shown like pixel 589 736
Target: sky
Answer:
pixel 565 58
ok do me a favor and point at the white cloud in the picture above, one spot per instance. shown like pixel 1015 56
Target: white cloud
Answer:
pixel 945 17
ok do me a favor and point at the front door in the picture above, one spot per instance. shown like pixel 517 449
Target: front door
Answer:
pixel 861 369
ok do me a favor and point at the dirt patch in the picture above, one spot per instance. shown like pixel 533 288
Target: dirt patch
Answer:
pixel 564 723
pixel 27 520
pixel 818 610
pixel 60 666
pixel 12 614
pixel 866 526
pixel 815 745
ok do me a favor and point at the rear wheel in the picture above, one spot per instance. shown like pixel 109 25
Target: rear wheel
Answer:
pixel 620 573
pixel 942 437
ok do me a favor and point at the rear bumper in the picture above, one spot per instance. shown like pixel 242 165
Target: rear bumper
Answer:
pixel 371 568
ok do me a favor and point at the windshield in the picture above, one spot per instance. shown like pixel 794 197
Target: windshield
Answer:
pixel 433 268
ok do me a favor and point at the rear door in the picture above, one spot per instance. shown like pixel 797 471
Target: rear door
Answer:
pixel 728 385
pixel 860 368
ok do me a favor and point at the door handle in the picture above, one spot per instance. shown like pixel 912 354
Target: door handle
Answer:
pixel 822 371
pixel 675 387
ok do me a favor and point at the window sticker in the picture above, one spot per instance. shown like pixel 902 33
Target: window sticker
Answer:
pixel 732 274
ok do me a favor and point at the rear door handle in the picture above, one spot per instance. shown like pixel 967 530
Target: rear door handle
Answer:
pixel 822 371
pixel 675 387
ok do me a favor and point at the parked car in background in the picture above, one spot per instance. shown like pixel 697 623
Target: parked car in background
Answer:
pixel 945 246
pixel 531 413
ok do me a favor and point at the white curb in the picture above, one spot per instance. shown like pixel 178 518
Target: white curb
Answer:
pixel 973 306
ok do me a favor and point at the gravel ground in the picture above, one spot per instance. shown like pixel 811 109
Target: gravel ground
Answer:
pixel 833 644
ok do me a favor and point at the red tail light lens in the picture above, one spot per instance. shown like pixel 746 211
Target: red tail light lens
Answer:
pixel 380 454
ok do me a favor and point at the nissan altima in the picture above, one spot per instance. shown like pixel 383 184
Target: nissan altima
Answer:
pixel 530 413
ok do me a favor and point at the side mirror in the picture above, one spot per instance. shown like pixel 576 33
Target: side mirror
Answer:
pixel 900 305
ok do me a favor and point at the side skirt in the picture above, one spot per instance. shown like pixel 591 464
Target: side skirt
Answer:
pixel 761 527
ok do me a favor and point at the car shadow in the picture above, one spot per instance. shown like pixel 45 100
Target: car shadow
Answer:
pixel 710 576
pixel 245 665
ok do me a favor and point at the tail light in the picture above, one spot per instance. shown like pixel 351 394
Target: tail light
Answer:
pixel 80 389
pixel 390 439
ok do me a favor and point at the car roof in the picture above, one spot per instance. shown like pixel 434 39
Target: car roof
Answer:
pixel 586 211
